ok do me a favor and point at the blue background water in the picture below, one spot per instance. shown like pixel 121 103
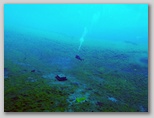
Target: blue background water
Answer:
pixel 115 22
pixel 114 46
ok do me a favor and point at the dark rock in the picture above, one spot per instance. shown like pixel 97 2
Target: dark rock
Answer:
pixel 32 70
pixel 79 58
pixel 61 77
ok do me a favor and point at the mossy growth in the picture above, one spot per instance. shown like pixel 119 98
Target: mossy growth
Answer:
pixel 25 96
pixel 80 99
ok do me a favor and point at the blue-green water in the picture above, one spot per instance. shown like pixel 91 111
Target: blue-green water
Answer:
pixel 42 41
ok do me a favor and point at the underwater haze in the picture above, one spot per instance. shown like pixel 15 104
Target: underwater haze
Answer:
pixel 76 57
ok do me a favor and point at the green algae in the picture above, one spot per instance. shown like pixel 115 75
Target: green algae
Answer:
pixel 21 95
pixel 80 99
pixel 34 97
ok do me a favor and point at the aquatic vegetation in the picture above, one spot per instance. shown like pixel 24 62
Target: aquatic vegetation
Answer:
pixel 35 99
pixel 80 99
pixel 23 93
pixel 33 91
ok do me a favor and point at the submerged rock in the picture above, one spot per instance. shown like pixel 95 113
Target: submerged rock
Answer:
pixel 32 70
pixel 61 77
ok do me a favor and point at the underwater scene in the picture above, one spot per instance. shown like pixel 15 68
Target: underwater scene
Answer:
pixel 76 58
